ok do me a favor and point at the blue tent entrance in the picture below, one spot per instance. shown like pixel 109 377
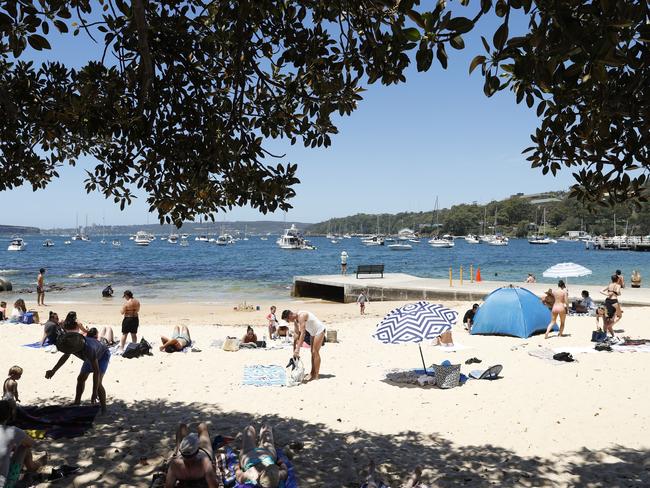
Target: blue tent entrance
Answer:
pixel 511 311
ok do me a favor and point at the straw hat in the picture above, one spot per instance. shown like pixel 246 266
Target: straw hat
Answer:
pixel 70 343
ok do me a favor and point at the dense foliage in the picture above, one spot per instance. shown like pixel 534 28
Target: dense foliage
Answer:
pixel 183 96
pixel 516 216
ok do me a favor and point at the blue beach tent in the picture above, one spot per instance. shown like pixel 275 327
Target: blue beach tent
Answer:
pixel 511 311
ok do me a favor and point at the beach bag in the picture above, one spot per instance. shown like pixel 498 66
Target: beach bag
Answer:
pixel 27 318
pixel 131 351
pixel 598 335
pixel 231 344
pixel 295 372
pixel 447 376
pixel 144 347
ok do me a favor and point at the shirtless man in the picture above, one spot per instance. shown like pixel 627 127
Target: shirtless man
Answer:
pixel 40 287
pixel 193 458
pixel 180 340
pixel 307 322
pixel 131 321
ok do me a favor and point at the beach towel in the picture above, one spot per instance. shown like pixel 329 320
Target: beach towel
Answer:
pixel 232 460
pixel 57 421
pixel 35 345
pixel 547 355
pixel 264 375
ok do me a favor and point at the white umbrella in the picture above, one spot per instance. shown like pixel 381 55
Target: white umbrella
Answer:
pixel 566 270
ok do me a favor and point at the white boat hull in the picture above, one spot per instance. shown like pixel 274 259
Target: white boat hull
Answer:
pixel 400 247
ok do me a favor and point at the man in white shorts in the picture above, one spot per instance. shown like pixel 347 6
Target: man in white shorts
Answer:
pixel 307 323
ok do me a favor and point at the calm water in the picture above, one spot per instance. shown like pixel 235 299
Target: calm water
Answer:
pixel 256 270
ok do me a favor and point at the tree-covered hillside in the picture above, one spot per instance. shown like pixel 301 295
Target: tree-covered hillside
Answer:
pixel 516 216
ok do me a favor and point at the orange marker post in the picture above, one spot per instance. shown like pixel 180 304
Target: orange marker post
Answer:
pixel 450 277
pixel 478 274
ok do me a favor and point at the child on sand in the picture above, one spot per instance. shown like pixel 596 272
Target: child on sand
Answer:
pixel 10 387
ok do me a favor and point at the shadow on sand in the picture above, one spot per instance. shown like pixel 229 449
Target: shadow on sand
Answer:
pixel 126 444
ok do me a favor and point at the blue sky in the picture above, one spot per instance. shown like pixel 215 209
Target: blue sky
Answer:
pixel 436 135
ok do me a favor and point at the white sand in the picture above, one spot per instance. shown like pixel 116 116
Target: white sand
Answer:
pixel 579 424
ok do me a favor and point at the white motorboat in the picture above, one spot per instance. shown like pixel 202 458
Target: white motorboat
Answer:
pixel 541 240
pixel 16 244
pixel 85 238
pixel 173 238
pixel 334 241
pixel 224 240
pixel 202 238
pixel 472 239
pixel 415 241
pixel 441 242
pixel 497 241
pixel 293 239
pixel 142 239
pixel 389 239
pixel 264 238
pixel 400 246
pixel 375 240
pixel 76 237
pixel 66 243
pixel 185 236
pixel 347 236
pixel 48 243
pixel 116 243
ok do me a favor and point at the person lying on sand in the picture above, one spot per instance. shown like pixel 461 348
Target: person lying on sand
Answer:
pixel 249 336
pixel 193 458
pixel 106 336
pixel 179 341
pixel 372 481
pixel 445 339
pixel 258 462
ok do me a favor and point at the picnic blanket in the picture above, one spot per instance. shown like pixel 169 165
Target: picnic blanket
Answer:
pixel 264 375
pixel 546 354
pixel 231 464
pixel 57 421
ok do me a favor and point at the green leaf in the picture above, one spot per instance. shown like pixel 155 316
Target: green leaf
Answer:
pixel 441 54
pixel 460 24
pixel 457 42
pixel 412 34
pixel 38 42
pixel 478 60
pixel 500 36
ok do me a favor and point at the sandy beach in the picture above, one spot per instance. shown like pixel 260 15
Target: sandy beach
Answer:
pixel 541 424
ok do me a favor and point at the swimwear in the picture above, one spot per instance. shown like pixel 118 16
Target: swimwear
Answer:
pixel 181 337
pixel 265 459
pixel 130 325
pixel 86 367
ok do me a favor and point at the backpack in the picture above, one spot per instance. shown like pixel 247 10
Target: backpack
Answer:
pixel 133 350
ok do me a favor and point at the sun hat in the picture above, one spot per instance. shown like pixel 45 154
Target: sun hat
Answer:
pixel 70 343
pixel 189 445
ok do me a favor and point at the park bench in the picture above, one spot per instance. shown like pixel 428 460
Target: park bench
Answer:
pixel 370 269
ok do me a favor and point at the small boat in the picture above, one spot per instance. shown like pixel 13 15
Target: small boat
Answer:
pixel 497 241
pixel 85 238
pixel 264 238
pixel 142 239
pixel 116 243
pixel 224 240
pixel 414 241
pixel 66 243
pixel 441 242
pixel 293 239
pixel 334 241
pixel 400 247
pixel 375 240
pixel 48 243
pixel 173 238
pixel 16 244
pixel 185 236
pixel 202 238
pixel 472 239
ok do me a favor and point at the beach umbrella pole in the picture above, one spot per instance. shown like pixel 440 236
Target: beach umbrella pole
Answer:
pixel 422 356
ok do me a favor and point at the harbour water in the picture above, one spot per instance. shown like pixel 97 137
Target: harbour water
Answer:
pixel 258 270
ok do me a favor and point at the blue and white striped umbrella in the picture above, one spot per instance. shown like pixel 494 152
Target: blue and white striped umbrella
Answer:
pixel 415 322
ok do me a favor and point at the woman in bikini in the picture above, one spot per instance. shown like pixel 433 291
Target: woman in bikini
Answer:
pixel 607 315
pixel 258 462
pixel 559 309
pixel 612 292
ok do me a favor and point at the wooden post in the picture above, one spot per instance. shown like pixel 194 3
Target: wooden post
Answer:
pixel 461 275
pixel 471 273
pixel 450 277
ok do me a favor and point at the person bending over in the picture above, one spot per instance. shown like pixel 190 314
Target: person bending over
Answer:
pixel 193 459
pixel 180 340
pixel 258 461
pixel 95 357
pixel 468 318
pixel 15 449
pixel 307 322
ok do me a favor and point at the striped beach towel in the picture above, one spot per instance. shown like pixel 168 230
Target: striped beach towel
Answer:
pixel 264 375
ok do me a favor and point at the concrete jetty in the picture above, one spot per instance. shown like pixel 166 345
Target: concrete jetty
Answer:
pixel 404 287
